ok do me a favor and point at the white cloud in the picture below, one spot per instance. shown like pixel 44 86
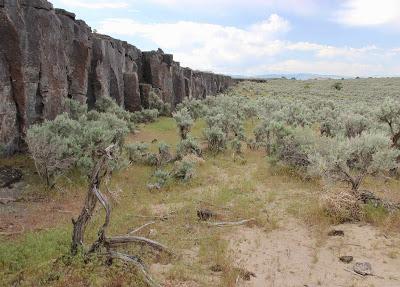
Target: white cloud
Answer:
pixel 304 7
pixel 257 49
pixel 206 46
pixel 369 13
pixel 95 4
pixel 327 51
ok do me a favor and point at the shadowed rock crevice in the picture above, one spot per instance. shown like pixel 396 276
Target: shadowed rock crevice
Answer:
pixel 46 56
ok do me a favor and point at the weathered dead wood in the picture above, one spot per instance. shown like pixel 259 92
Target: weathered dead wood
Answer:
pixel 118 240
pixel 94 194
pixel 90 201
pixel 141 227
pixel 233 223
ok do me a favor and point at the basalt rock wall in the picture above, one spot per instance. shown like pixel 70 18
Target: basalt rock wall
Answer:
pixel 46 56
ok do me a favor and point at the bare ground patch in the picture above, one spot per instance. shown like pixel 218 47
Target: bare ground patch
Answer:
pixel 293 255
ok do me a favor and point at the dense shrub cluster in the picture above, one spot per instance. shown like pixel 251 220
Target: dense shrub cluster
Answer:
pixel 74 138
pixel 145 116
pixel 156 103
pixel 333 136
pixel 196 108
pixel 355 138
pixel 327 133
pixel 350 160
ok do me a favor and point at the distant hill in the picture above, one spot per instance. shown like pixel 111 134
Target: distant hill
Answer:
pixel 298 76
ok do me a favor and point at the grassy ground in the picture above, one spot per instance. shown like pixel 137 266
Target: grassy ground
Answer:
pixel 39 256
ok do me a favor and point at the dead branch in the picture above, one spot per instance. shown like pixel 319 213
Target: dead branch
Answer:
pixel 352 272
pixel 141 227
pixel 227 223
pixel 118 240
pixel 94 195
pixel 139 265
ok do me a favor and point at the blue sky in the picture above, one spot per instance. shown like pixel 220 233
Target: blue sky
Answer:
pixel 255 37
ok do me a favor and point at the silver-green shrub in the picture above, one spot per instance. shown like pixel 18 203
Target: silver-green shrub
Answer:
pixel 184 122
pixel 137 152
pixel 72 140
pixel 145 116
pixel 165 155
pixel 188 146
pixel 216 139
pixel 291 146
pixel 183 169
pixel 354 124
pixel 389 114
pixel 156 103
pixel 196 108
pixel 55 146
pixel 107 105
pixel 350 160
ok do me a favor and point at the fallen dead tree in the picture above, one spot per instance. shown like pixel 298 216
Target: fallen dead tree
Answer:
pixel 231 223
pixel 104 244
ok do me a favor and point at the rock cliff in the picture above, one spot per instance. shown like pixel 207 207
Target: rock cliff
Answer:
pixel 46 55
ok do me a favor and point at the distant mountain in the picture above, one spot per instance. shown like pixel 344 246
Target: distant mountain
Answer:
pixel 298 76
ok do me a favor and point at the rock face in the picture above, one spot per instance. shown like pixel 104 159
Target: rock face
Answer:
pixel 46 55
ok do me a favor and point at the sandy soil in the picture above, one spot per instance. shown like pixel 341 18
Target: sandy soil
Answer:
pixel 294 256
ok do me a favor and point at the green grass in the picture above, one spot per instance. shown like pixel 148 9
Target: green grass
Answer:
pixel 32 254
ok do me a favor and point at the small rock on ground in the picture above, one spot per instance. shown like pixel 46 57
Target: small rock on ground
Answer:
pixel 362 268
pixel 346 259
pixel 336 233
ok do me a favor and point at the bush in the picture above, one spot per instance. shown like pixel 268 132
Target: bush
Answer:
pixel 184 122
pixel 355 125
pixel 236 145
pixel 389 114
pixel 291 146
pixel 216 139
pixel 184 169
pixel 328 121
pixel 295 114
pixel 152 159
pixel 187 147
pixel 164 152
pixel 145 116
pixel 261 132
pixel 105 105
pixel 196 108
pixel 337 86
pixel 155 103
pixel 75 109
pixel 160 177
pixel 55 147
pixel 351 160
pixel 59 145
pixel 137 152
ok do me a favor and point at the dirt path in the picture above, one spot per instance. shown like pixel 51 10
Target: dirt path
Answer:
pixel 292 256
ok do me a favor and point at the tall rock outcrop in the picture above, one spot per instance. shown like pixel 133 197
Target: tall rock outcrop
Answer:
pixel 46 55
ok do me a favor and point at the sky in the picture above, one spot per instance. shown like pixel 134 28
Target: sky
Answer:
pixel 257 37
